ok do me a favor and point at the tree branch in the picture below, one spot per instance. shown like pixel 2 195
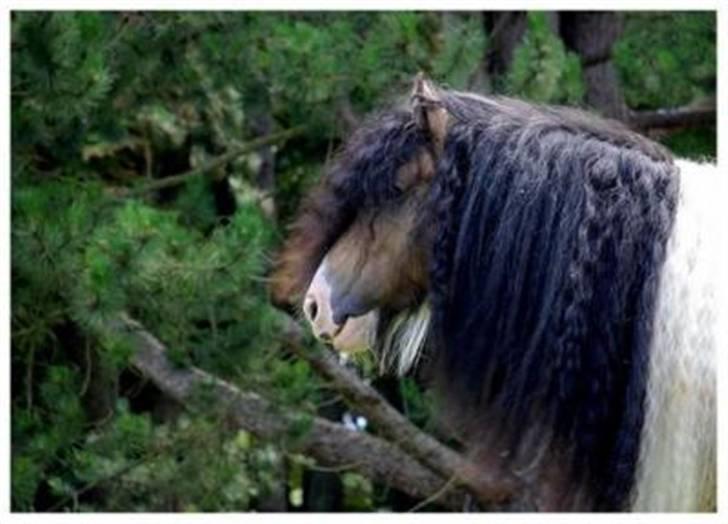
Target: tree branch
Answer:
pixel 664 119
pixel 212 164
pixel 332 445
pixel 489 487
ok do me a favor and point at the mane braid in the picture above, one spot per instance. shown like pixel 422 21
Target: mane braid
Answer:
pixel 551 233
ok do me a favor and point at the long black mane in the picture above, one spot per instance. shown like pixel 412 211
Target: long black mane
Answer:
pixel 551 231
pixel 549 228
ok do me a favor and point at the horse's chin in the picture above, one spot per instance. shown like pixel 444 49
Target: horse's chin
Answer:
pixel 357 335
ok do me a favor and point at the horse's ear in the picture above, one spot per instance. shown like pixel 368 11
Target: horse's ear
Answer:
pixel 428 110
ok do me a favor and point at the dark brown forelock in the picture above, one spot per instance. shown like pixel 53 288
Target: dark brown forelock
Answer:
pixel 364 175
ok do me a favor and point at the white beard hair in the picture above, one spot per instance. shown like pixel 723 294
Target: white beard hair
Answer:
pixel 402 344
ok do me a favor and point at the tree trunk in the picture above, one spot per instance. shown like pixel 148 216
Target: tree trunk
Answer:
pixel 504 30
pixel 592 36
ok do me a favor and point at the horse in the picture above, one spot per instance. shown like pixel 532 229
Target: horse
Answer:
pixel 553 270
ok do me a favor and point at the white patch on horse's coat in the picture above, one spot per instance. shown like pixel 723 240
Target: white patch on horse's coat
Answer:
pixel 404 341
pixel 677 464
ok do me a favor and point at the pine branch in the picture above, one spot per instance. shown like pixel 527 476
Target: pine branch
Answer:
pixel 331 444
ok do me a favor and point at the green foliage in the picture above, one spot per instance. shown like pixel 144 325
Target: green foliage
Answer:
pixel 698 144
pixel 131 257
pixel 460 51
pixel 46 433
pixel 104 102
pixel 357 491
pixel 140 465
pixel 417 404
pixel 542 69
pixel 60 76
pixel 667 59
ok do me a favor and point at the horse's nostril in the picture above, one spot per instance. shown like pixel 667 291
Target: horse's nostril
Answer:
pixel 325 337
pixel 311 309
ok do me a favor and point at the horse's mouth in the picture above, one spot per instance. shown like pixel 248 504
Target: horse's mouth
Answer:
pixel 357 334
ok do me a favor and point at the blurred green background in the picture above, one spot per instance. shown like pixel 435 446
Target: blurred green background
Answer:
pixel 105 105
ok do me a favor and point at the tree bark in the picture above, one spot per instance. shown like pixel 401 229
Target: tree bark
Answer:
pixel 332 445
